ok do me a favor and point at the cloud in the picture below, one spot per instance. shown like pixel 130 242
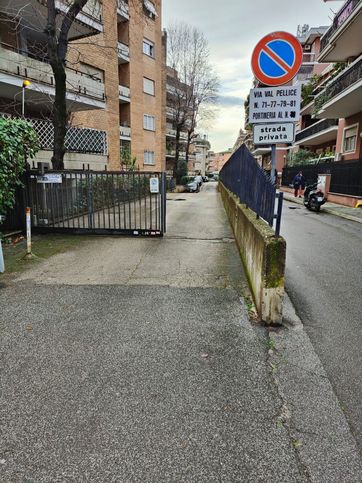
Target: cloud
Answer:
pixel 230 101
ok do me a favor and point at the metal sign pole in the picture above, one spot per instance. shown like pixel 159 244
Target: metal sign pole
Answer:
pixel 273 162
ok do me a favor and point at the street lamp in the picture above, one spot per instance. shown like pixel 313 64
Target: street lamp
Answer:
pixel 26 84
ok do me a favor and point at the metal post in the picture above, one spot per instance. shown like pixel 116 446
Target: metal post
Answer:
pixel 2 264
pixel 279 213
pixel 23 102
pixel 28 232
pixel 163 202
pixel 273 162
pixel 90 200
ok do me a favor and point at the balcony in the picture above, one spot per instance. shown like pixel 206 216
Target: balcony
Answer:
pixel 83 91
pixel 125 133
pixel 309 58
pixel 171 133
pixel 343 39
pixel 123 11
pixel 77 140
pixel 342 97
pixel 123 53
pixel 124 94
pixel 319 133
pixel 33 14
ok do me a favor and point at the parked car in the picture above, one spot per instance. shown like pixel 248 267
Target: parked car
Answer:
pixel 192 186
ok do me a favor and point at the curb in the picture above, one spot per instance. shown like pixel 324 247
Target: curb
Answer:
pixel 327 210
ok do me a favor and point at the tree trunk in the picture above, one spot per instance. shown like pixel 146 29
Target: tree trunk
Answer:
pixel 59 115
pixel 177 151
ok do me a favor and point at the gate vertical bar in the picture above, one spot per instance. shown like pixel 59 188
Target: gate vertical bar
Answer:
pixel 90 200
pixel 163 203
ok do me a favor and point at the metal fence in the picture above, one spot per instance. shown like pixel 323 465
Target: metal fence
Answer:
pixel 243 176
pixel 98 202
pixel 346 177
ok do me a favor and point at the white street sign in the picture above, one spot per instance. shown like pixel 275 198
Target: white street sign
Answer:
pixel 273 133
pixel 274 104
pixel 154 185
pixel 49 178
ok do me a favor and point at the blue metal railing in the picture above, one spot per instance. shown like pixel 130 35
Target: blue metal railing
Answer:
pixel 243 176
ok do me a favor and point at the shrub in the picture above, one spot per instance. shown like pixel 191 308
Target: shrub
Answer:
pixel 18 142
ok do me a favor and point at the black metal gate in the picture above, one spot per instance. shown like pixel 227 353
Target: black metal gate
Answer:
pixel 98 202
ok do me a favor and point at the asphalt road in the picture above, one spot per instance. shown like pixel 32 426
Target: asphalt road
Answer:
pixel 324 281
pixel 133 360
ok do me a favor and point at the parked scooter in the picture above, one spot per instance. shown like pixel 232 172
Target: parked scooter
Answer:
pixel 313 197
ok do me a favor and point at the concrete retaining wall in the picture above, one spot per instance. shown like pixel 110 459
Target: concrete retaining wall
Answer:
pixel 263 256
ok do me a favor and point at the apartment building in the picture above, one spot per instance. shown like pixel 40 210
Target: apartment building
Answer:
pixel 219 159
pixel 340 98
pixel 115 81
pixel 201 150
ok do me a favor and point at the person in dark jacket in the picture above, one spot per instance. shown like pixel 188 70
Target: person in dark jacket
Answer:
pixel 298 184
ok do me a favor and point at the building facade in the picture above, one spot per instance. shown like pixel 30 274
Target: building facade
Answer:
pixel 115 81
pixel 340 99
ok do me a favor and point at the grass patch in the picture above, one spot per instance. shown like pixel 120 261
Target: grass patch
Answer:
pixel 43 247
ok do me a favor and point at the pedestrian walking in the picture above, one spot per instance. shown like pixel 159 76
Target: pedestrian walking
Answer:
pixel 298 184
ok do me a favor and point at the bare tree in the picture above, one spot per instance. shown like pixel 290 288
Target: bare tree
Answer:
pixel 193 100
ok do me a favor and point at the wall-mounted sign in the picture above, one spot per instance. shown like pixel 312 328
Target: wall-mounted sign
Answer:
pixel 49 178
pixel 275 104
pixel 273 133
pixel 154 185
pixel 277 58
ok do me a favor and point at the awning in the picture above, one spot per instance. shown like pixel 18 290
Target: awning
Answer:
pixel 150 7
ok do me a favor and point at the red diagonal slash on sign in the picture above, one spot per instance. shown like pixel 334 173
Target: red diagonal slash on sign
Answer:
pixel 289 70
pixel 278 60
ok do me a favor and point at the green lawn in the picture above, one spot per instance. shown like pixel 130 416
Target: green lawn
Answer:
pixel 43 247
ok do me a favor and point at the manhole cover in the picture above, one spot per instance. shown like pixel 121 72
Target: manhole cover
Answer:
pixel 180 199
pixel 294 207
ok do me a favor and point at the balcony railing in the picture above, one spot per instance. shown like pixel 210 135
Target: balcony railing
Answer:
pixel 13 61
pixel 124 92
pixel 308 57
pixel 125 131
pixel 316 128
pixel 77 140
pixel 123 9
pixel 93 9
pixel 123 51
pixel 339 20
pixel 342 82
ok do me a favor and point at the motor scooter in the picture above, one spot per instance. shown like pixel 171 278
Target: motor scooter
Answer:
pixel 313 197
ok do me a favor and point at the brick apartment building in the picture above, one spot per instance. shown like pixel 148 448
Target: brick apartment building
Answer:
pixel 115 80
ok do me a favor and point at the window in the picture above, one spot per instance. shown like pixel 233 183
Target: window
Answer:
pixel 149 48
pixel 148 86
pixel 149 158
pixel 149 122
pixel 350 139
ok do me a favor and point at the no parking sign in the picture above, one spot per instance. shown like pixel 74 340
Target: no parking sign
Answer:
pixel 277 58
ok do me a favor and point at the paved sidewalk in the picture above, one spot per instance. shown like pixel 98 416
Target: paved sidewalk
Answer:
pixel 353 214
pixel 133 360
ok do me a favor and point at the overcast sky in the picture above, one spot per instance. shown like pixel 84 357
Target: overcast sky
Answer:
pixel 233 28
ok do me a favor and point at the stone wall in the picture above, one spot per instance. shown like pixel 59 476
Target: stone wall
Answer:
pixel 263 255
